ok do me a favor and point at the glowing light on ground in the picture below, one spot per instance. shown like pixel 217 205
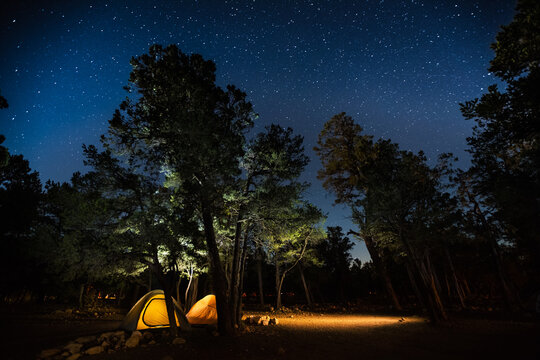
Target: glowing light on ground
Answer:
pixel 337 321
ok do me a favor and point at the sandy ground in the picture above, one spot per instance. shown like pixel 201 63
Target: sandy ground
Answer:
pixel 310 336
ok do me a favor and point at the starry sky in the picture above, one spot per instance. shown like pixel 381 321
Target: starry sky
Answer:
pixel 400 68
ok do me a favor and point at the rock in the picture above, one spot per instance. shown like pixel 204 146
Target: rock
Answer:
pixel 85 339
pixel 105 344
pixel 254 319
pixel 58 313
pixel 147 335
pixel 263 319
pixel 73 348
pixel 94 350
pixel 106 336
pixel 49 353
pixel 69 311
pixel 133 341
pixel 152 342
pixel 136 333
pixel 74 356
pixel 119 333
pixel 265 322
pixel 179 341
pixel 65 354
pixel 274 321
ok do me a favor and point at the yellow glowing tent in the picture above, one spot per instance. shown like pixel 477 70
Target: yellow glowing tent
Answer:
pixel 204 312
pixel 150 312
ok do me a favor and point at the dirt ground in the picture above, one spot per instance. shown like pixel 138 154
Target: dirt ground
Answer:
pixel 302 336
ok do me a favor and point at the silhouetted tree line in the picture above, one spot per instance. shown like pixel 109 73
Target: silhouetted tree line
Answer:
pixel 180 196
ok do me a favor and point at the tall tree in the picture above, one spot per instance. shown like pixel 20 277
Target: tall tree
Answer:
pixel 505 144
pixel 342 148
pixel 194 131
pixel 391 193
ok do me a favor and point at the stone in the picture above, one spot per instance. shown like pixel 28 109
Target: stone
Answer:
pixel 265 322
pixel 106 336
pixel 133 341
pixel 255 319
pixel 263 319
pixel 136 333
pixel 73 348
pixel 179 341
pixel 69 311
pixel 119 333
pixel 74 356
pixel 94 350
pixel 86 339
pixel 152 342
pixel 274 321
pixel 105 344
pixel 147 335
pixel 65 354
pixel 49 353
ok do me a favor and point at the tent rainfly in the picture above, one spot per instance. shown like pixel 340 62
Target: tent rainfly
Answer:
pixel 150 312
pixel 203 312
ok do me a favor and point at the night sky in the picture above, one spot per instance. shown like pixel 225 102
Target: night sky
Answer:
pixel 399 68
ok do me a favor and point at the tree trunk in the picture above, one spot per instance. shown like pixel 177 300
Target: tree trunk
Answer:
pixel 510 299
pixel 414 285
pixel 81 295
pixel 459 290
pixel 192 295
pixel 426 284
pixel 171 313
pixel 306 288
pixel 259 277
pixel 278 287
pixel 219 280
pixel 381 269
pixel 235 268
pixel 241 283
pixel 178 299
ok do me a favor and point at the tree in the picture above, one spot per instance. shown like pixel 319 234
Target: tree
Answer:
pixel 341 146
pixel 288 236
pixel 334 252
pixel 184 124
pixel 392 194
pixel 20 196
pixel 505 144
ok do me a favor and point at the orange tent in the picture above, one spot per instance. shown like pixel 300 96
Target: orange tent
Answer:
pixel 204 312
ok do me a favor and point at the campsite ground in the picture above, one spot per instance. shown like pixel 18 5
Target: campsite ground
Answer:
pixel 298 335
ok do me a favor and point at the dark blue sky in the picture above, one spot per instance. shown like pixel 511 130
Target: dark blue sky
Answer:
pixel 400 68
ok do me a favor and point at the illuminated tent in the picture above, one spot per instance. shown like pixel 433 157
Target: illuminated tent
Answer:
pixel 204 312
pixel 150 312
